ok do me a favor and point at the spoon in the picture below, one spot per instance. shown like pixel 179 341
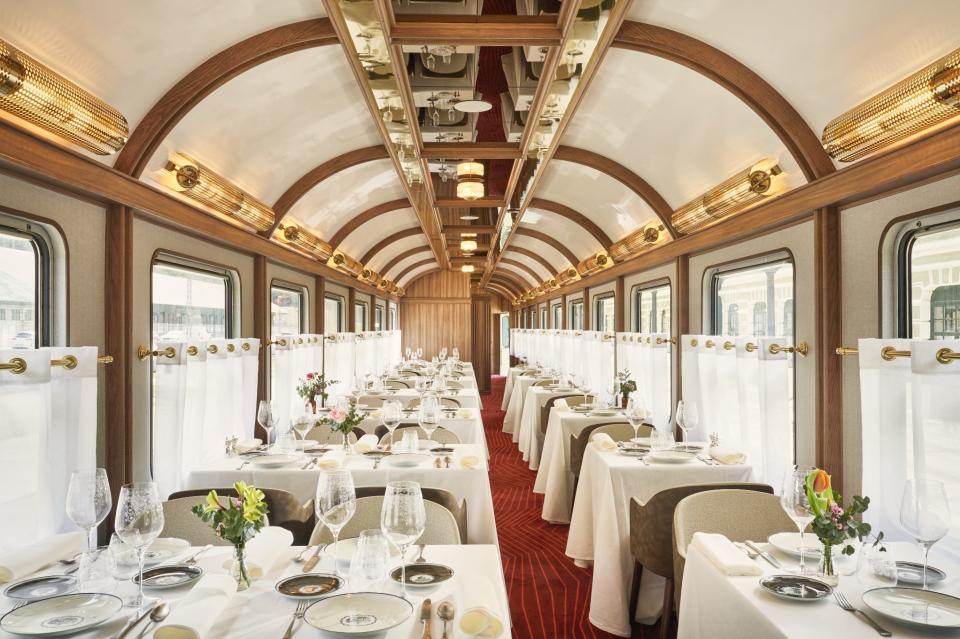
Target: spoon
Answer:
pixel 446 612
pixel 193 560
pixel 420 559
pixel 137 618
pixel 157 615
pixel 302 557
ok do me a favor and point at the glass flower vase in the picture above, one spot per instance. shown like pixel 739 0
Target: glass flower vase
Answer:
pixel 239 569
pixel 826 571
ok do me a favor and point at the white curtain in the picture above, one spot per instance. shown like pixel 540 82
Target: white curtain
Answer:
pixel 291 361
pixel 338 362
pixel 647 357
pixel 48 430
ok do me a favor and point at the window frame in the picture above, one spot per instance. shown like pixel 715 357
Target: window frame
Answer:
pixel 44 247
pixel 570 314
pixel 378 316
pixel 357 305
pixel 555 316
pixel 296 289
pixel 711 308
pixel 232 289
pixel 391 317
pixel 598 301
pixel 637 290
pixel 341 311
pixel 906 238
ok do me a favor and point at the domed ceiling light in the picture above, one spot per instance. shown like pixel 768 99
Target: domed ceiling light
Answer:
pixel 46 99
pixel 468 246
pixel 470 180
pixel 730 197
pixel 473 106
pixel 919 102
pixel 467 268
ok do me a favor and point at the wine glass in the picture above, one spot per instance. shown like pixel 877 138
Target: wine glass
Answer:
pixel 636 414
pixel 88 500
pixel 687 418
pixel 429 418
pixel 925 514
pixel 407 352
pixel 138 523
pixel 390 416
pixel 403 519
pixel 335 504
pixel 266 419
pixel 419 353
pixel 302 425
pixel 793 500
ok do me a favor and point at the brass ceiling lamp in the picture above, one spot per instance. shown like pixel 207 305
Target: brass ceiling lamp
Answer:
pixel 470 180
pixel 467 268
pixel 468 246
pixel 929 97
pixel 634 242
pixel 730 197
pixel 304 241
pixel 46 99
pixel 212 190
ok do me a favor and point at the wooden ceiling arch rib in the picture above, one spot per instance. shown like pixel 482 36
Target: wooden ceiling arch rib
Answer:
pixel 500 287
pixel 574 216
pixel 402 256
pixel 514 279
pixel 413 266
pixel 737 78
pixel 209 76
pixel 370 214
pixel 550 241
pixel 387 241
pixel 535 279
pixel 519 250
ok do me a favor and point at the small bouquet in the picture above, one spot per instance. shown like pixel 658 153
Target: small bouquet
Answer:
pixel 833 524
pixel 625 384
pixel 315 384
pixel 342 420
pixel 238 523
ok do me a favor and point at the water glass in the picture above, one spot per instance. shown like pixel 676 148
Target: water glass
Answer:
pixel 876 568
pixel 266 419
pixel 371 561
pixel 390 416
pixel 662 439
pixel 124 557
pixel 139 522
pixel 403 519
pixel 88 500
pixel 336 503
pixel 925 514
pixel 286 443
pixel 97 571
pixel 411 440
pixel 793 500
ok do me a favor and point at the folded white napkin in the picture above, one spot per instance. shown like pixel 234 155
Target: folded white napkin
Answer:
pixel 469 461
pixel 480 610
pixel 727 455
pixel 723 554
pixel 366 443
pixel 604 442
pixel 560 403
pixel 464 413
pixel 193 617
pixel 269 544
pixel 20 562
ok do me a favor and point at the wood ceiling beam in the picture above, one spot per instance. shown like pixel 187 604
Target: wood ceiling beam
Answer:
pixel 480 203
pixel 501 289
pixel 519 250
pixel 208 77
pixel 804 145
pixel 420 275
pixel 535 278
pixel 390 239
pixel 574 216
pixel 507 285
pixel 370 214
pixel 470 151
pixel 469 228
pixel 484 30
pixel 416 250
pixel 414 266
pixel 550 241
pixel 512 277
pixel 624 176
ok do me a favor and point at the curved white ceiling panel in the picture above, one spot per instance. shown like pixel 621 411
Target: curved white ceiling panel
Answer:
pixel 383 257
pixel 415 272
pixel 405 263
pixel 131 53
pixel 366 236
pixel 676 129
pixel 519 272
pixel 568 233
pixel 537 267
pixel 823 56
pixel 268 127
pixel 548 253
pixel 350 192
pixel 612 206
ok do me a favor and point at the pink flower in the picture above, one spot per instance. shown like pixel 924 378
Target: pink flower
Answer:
pixel 338 414
pixel 309 375
pixel 836 509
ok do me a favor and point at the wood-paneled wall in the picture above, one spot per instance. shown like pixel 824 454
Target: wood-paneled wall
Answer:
pixel 435 312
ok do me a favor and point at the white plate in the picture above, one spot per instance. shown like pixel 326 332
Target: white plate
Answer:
pixel 66 614
pixel 670 457
pixel 358 614
pixel 789 543
pixel 164 549
pixel 604 412
pixel 405 460
pixel 274 461
pixel 347 548
pixel 915 607
pixel 565 389
pixel 306 443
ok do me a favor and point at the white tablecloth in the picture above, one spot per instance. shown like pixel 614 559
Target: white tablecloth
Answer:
pixel 554 479
pixel 528 436
pixel 473 484
pixel 714 606
pixel 468 397
pixel 260 612
pixel 600 528
pixel 470 430
pixel 512 376
pixel 511 420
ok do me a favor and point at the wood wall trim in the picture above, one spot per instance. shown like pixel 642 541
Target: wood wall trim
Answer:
pixel 261 330
pixel 481 320
pixel 351 310
pixel 416 250
pixel 534 278
pixel 574 216
pixel 804 145
pixel 828 306
pixel 390 239
pixel 681 326
pixel 483 30
pixel 208 77
pixel 624 176
pixel 479 203
pixel 362 218
pixel 519 250
pixel 411 267
pixel 620 306
pixel 550 241
pixel 319 325
pixel 470 151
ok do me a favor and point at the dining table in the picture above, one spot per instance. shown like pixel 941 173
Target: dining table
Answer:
pixel 600 527
pixel 261 611
pixel 512 374
pixel 471 484
pixel 465 423
pixel 511 419
pixel 466 397
pixel 528 435
pixel 716 606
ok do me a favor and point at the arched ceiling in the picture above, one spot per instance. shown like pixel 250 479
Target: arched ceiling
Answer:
pixel 552 255
pixel 568 233
pixel 368 234
pixel 380 260
pixel 410 274
pixel 532 264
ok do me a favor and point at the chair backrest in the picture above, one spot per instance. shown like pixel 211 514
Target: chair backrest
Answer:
pixel 545 382
pixel 396 384
pixel 621 432
pixel 576 400
pixel 284 511
pixel 449 402
pixel 454 385
pixel 545 411
pixel 441 435
pixel 441 525
pixel 438 496
pixel 578 445
pixel 326 435
pixel 738 514
pixel 651 524
pixel 370 400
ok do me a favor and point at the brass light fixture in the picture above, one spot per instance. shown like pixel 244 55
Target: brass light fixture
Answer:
pixel 594 263
pixel 345 263
pixel 370 276
pixel 731 196
pixel 639 239
pixel 919 102
pixel 304 241
pixel 467 268
pixel 567 275
pixel 46 99
pixel 468 246
pixel 470 180
pixel 216 192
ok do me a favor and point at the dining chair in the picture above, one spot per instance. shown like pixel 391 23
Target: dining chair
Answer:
pixel 441 435
pixel 545 410
pixel 438 496
pixel 396 384
pixel 545 382
pixel 454 385
pixel 441 525
pixel 284 510
pixel 621 432
pixel 738 514
pixel 323 434
pixel 371 401
pixel 448 402
pixel 578 447
pixel 651 538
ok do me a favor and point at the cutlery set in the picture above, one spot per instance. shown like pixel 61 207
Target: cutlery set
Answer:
pixel 445 612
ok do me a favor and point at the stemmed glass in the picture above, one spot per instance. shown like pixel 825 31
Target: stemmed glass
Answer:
pixel 687 418
pixel 429 417
pixel 407 352
pixel 636 414
pixel 335 504
pixel 793 500
pixel 403 519
pixel 390 416
pixel 138 523
pixel 925 514
pixel 302 426
pixel 266 419
pixel 419 353
pixel 88 500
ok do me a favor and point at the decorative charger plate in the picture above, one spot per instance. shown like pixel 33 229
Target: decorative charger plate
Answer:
pixel 404 460
pixel 911 573
pixel 358 613
pixel 915 606
pixel 66 614
pixel 274 460
pixel 423 574
pixel 42 587
pixel 309 586
pixel 796 587
pixel 789 543
pixel 169 576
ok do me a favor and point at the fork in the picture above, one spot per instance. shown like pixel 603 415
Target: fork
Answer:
pixel 846 605
pixel 298 614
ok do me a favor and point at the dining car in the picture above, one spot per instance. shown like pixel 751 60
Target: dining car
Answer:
pixel 479 319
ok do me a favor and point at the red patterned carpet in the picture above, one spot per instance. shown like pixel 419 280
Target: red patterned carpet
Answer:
pixel 549 596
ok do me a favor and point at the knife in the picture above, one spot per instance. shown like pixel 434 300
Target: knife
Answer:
pixel 134 620
pixel 314 558
pixel 425 616
pixel 770 559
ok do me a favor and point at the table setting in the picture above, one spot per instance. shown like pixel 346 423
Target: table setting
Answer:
pixel 528 435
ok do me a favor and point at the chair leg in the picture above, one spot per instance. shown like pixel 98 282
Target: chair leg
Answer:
pixel 667 614
pixel 635 590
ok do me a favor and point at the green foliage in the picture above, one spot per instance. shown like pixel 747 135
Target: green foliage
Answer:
pixel 240 520
pixel 833 524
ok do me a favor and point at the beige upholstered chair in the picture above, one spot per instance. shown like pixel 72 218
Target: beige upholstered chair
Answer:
pixel 438 496
pixel 738 514
pixel 545 382
pixel 284 510
pixel 454 385
pixel 370 400
pixel 621 432
pixel 445 402
pixel 441 526
pixel 325 435
pixel 651 537
pixel 441 435
pixel 396 384
pixel 578 446
pixel 549 404
pixel 577 400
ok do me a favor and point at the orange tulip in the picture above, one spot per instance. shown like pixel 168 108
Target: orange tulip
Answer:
pixel 821 481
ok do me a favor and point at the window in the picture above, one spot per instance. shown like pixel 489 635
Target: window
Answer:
pixel 543 317
pixel 360 317
pixel 392 318
pixel 191 301
pixel 24 285
pixel 557 316
pixel 604 317
pixel 333 314
pixel 287 310
pixel 929 299
pixel 378 318
pixel 763 290
pixel 651 308
pixel 576 315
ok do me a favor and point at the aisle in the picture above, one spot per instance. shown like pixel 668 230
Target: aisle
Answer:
pixel 549 596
